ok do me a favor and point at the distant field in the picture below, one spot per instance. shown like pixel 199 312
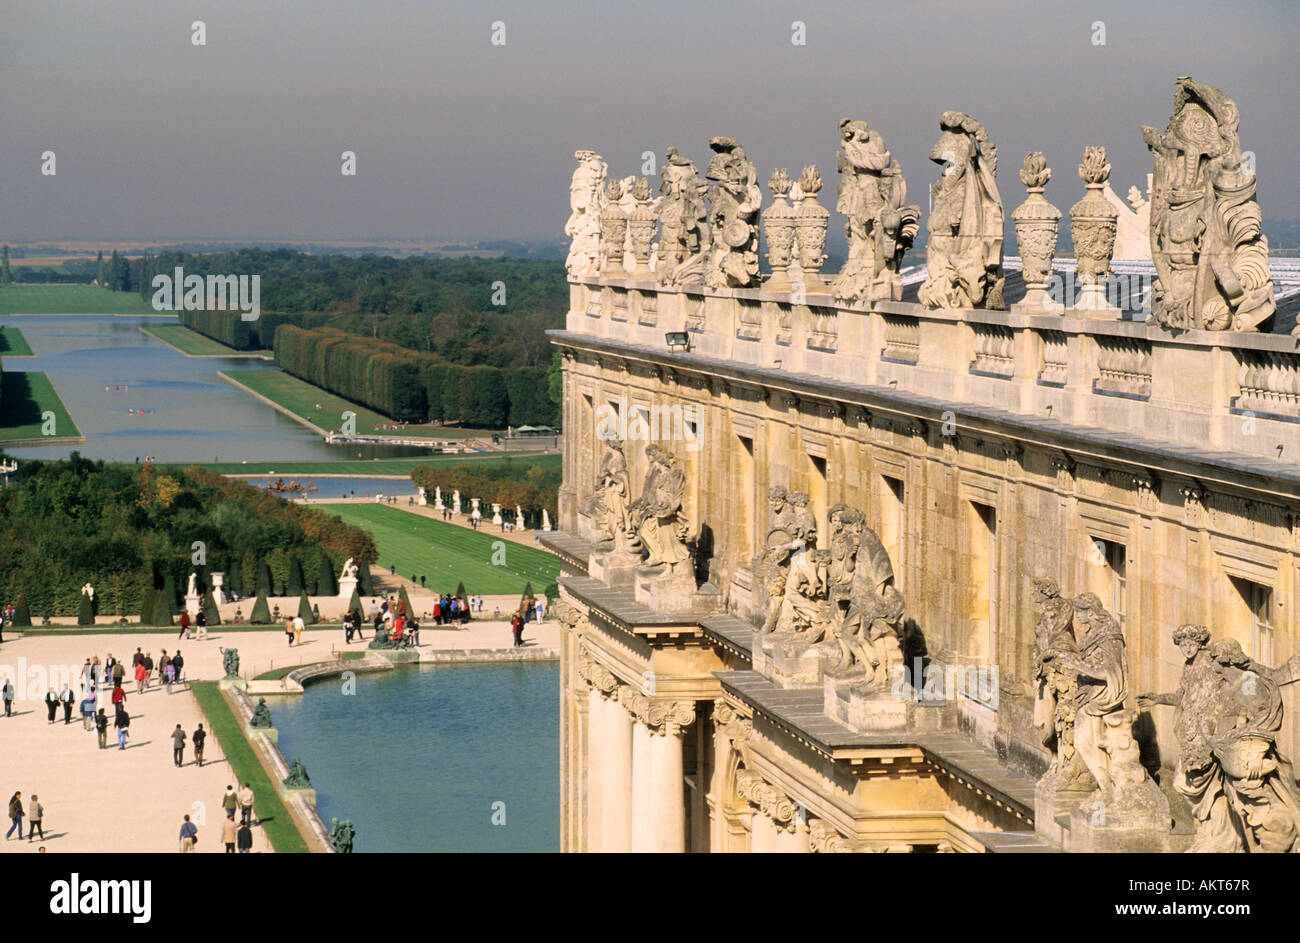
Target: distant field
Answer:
pixel 25 398
pixel 301 398
pixel 448 553
pixel 70 299
pixel 383 466
pixel 13 344
pixel 190 342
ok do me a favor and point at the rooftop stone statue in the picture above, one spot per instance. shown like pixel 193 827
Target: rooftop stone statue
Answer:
pixel 964 254
pixel 683 212
pixel 733 216
pixel 1210 255
pixel 586 200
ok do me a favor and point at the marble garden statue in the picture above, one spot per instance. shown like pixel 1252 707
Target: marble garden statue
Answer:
pixel 349 569
pixel 964 254
pixel 1210 254
pixel 657 515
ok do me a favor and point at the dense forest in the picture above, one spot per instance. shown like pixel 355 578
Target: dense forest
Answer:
pixel 128 530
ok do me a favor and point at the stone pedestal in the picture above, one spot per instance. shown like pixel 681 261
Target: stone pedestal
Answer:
pixel 193 602
pixel 1050 803
pixel 1136 822
pixel 792 663
pixel 271 733
pixel 496 515
pixel 613 566
pixel 851 702
pixel 346 586
pixel 673 589
pixel 218 593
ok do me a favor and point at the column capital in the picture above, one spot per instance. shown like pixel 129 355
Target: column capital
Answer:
pixel 769 800
pixel 597 676
pixel 734 725
pixel 664 718
pixel 825 839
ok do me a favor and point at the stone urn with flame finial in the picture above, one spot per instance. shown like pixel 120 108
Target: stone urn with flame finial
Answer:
pixel 1092 225
pixel 811 220
pixel 778 229
pixel 1037 225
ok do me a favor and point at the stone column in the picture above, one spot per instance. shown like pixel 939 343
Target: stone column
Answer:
pixel 793 839
pixel 595 767
pixel 667 720
pixel 642 800
pixel 616 777
pixel 762 834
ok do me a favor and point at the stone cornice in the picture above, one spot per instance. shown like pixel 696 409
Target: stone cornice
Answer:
pixel 769 800
pixel 824 839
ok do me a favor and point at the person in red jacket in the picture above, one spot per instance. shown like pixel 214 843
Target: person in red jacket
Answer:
pixel 185 623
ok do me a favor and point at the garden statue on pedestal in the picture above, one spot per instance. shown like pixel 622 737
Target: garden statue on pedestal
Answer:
pixel 342 835
pixel 261 714
pixel 297 778
pixel 230 663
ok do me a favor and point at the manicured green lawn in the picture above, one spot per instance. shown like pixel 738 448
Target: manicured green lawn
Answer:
pixel 189 342
pixel 25 398
pixel 301 398
pixel 13 344
pixel 270 812
pixel 384 466
pixel 70 299
pixel 448 553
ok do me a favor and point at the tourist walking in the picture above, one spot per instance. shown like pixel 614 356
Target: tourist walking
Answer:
pixel 244 839
pixel 198 738
pixel 230 801
pixel 288 630
pixel 101 725
pixel 118 697
pixel 178 746
pixel 35 815
pixel 189 835
pixel 246 804
pixel 121 722
pixel 7 692
pixel 67 698
pixel 141 676
pixel 201 623
pixel 148 669
pixel 51 705
pixel 118 673
pixel 178 665
pixel 185 624
pixel 137 658
pixel 517 627
pixel 356 624
pixel 297 629
pixel 229 834
pixel 15 815
pixel 168 673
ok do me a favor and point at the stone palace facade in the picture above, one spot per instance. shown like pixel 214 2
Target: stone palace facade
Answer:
pixel 972 558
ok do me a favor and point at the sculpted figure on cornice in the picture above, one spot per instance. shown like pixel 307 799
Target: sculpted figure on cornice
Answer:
pixel 735 200
pixel 1210 254
pixel 608 506
pixel 684 241
pixel 964 254
pixel 880 228
pixel 1056 687
pixel 1227 717
pixel 657 516
pixel 586 201
pixel 772 565
pixel 869 636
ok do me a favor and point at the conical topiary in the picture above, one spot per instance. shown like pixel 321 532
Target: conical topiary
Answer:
pixel 364 583
pixel 169 595
pixel 294 587
pixel 85 611
pixel 261 614
pixel 22 613
pixel 325 585
pixel 148 602
pixel 210 609
pixel 263 578
pixel 235 579
pixel 161 614
pixel 304 610
pixel 527 599
pixel 354 604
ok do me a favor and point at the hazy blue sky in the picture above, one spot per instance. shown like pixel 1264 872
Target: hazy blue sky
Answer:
pixel 455 137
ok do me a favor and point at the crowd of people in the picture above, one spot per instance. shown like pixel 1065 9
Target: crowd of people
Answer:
pixel 235 836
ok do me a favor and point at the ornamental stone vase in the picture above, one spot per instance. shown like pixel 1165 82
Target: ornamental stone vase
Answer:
pixel 613 230
pixel 1037 223
pixel 778 229
pixel 641 225
pixel 811 220
pixel 1092 224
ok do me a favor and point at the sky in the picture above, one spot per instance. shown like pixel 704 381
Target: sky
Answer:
pixel 458 138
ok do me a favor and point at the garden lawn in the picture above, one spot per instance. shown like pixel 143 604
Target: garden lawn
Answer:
pixel 271 814
pixel 25 398
pixel 13 344
pixel 300 398
pixel 383 466
pixel 449 553
pixel 190 342
pixel 70 299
